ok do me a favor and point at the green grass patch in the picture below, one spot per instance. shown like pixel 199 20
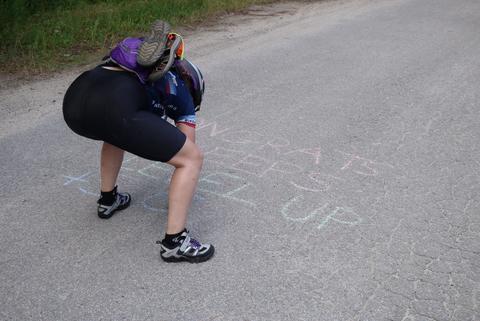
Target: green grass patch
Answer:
pixel 46 35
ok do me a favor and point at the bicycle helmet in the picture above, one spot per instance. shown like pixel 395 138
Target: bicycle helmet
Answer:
pixel 193 78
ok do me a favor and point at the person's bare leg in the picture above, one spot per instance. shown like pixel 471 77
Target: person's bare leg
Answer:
pixel 188 164
pixel 110 163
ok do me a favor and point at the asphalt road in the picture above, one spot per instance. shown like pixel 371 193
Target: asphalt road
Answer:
pixel 341 180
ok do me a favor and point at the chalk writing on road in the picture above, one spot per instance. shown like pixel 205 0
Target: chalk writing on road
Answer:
pixel 242 161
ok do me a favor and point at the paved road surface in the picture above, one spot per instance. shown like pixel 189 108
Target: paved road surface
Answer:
pixel 341 179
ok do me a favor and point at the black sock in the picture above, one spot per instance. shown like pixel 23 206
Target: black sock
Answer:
pixel 169 239
pixel 107 198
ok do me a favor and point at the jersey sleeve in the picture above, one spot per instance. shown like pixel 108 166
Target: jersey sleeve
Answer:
pixel 176 99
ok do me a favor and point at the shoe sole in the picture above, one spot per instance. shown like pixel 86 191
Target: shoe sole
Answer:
pixel 153 45
pixel 122 207
pixel 197 259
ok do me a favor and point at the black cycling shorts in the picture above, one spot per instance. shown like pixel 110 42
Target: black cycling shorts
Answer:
pixel 112 106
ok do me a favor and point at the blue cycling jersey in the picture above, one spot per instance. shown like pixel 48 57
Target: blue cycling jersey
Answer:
pixel 170 96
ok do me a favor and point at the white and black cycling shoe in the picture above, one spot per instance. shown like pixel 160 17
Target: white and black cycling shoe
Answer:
pixel 153 45
pixel 122 201
pixel 186 249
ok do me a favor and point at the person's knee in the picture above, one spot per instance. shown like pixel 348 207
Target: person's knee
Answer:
pixel 191 158
pixel 197 157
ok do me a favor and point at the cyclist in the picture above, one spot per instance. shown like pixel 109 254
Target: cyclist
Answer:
pixel 123 108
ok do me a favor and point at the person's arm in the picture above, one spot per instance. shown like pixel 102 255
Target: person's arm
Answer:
pixel 188 130
pixel 179 104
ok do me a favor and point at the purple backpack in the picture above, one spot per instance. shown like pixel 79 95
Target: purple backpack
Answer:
pixel 125 55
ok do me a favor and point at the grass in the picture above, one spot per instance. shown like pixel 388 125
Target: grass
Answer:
pixel 47 35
